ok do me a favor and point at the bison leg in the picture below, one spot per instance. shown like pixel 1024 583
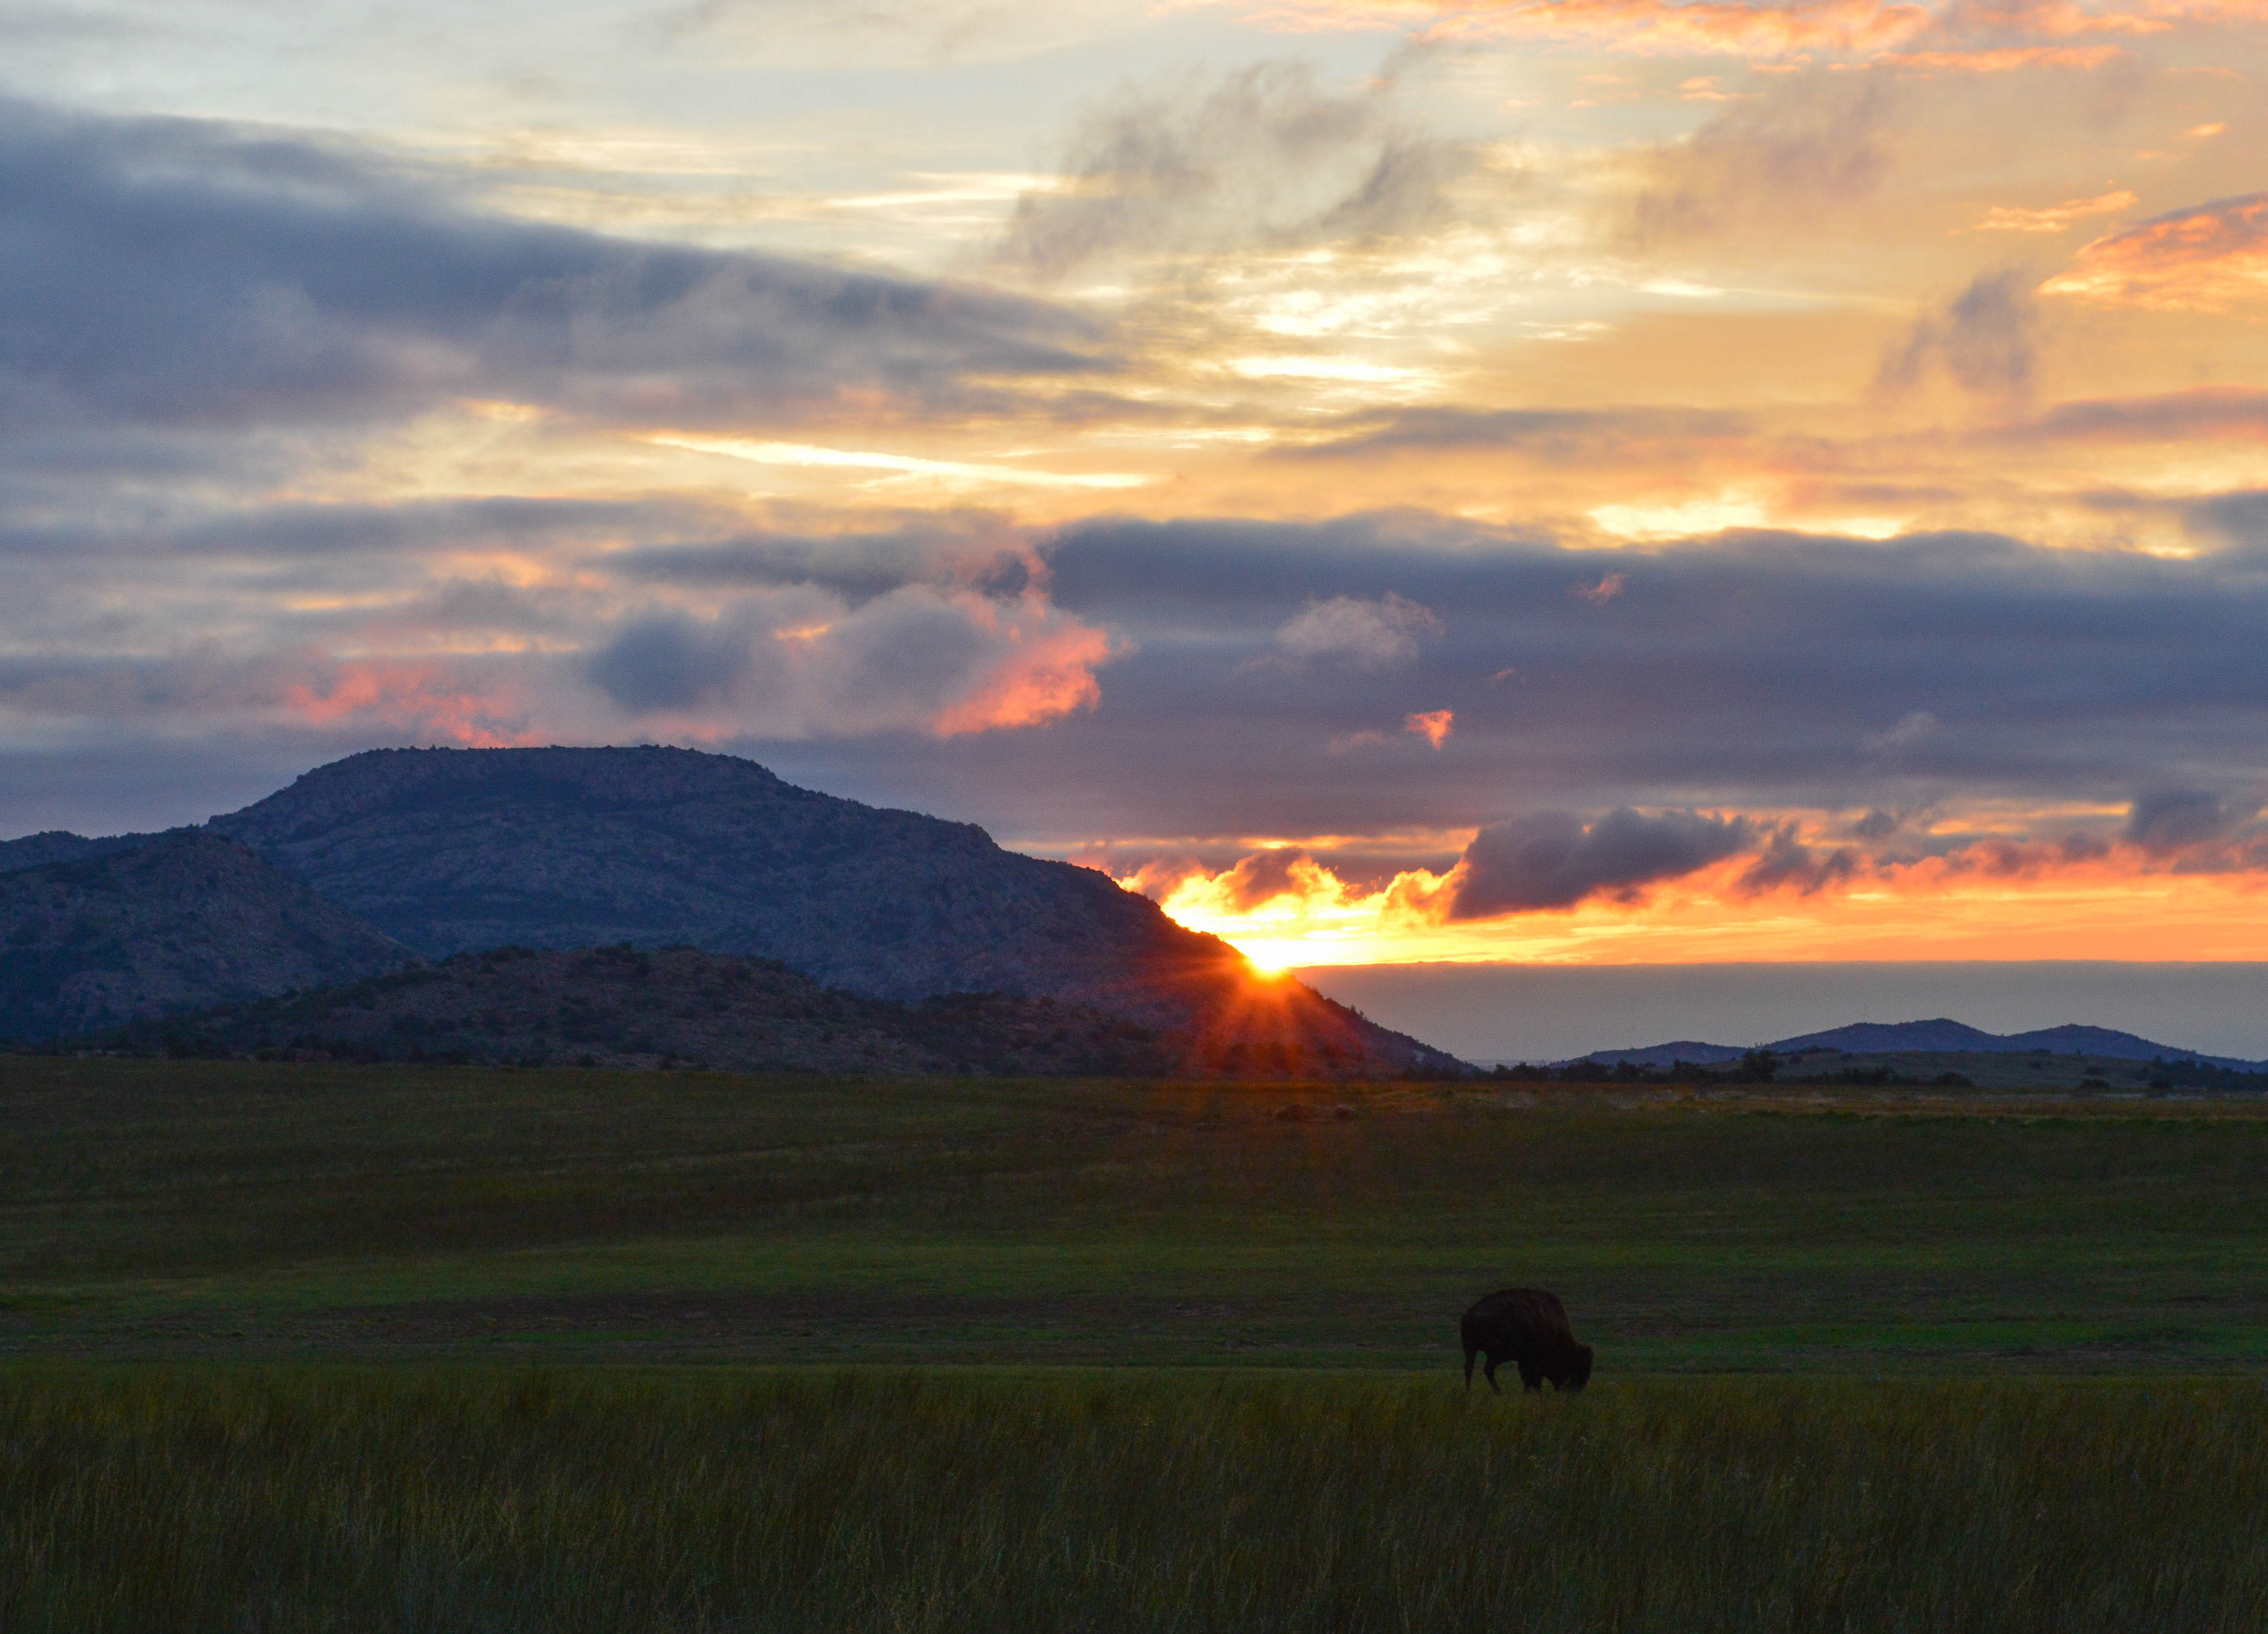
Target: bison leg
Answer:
pixel 1470 1354
pixel 1489 1372
pixel 1531 1376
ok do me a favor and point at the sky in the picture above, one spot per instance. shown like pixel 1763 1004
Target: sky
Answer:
pixel 1598 483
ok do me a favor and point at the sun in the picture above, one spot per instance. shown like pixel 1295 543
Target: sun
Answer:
pixel 1269 957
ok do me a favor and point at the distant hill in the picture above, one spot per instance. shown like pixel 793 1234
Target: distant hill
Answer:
pixel 1939 1036
pixel 1687 1050
pixel 458 850
pixel 624 1007
pixel 181 922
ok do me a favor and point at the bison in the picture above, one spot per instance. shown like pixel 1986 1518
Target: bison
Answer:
pixel 1527 1326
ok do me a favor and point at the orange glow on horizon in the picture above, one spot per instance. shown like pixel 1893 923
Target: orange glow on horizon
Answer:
pixel 1963 907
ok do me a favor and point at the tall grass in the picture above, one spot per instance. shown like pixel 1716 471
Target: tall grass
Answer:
pixel 220 1499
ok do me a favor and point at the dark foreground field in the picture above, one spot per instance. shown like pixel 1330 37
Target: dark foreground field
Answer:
pixel 156 1210
pixel 158 1497
pixel 308 1348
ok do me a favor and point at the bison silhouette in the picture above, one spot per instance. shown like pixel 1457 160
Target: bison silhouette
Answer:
pixel 1526 1327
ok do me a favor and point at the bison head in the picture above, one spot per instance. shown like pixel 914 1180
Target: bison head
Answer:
pixel 1579 1369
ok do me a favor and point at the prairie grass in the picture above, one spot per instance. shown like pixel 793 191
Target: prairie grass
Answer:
pixel 145 1498
pixel 244 1210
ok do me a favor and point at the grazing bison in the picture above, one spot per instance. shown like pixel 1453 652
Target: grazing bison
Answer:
pixel 1529 1327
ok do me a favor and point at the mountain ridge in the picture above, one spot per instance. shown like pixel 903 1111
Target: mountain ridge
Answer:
pixel 454 851
pixel 1939 1034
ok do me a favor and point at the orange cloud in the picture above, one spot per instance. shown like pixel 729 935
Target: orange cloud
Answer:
pixel 2006 59
pixel 1992 899
pixel 2056 217
pixel 2204 259
pixel 1995 39
pixel 1048 671
pixel 414 697
pixel 1434 725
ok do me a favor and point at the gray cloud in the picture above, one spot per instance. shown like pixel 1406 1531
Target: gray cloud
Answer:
pixel 1383 633
pixel 1820 142
pixel 1263 158
pixel 1986 338
pixel 180 273
pixel 975 548
pixel 670 663
pixel 1787 864
pixel 1563 436
pixel 1554 860
pixel 1747 676
pixel 2170 820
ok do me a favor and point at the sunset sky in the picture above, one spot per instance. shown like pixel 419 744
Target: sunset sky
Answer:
pixel 1600 482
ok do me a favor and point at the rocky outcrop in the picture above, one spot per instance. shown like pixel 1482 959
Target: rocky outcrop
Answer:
pixel 625 1007
pixel 458 850
pixel 181 922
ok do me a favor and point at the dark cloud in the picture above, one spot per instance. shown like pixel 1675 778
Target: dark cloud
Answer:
pixel 1986 338
pixel 181 273
pixel 1877 824
pixel 1749 676
pixel 2169 820
pixel 674 663
pixel 1261 876
pixel 1763 673
pixel 1263 158
pixel 1787 864
pixel 301 531
pixel 977 549
pixel 2237 519
pixel 1554 860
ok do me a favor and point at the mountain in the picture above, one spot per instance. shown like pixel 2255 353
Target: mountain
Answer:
pixel 458 850
pixel 624 1007
pixel 1877 1037
pixel 1937 1037
pixel 1874 1038
pixel 179 921
pixel 55 846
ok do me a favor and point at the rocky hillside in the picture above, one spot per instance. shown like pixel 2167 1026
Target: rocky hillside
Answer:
pixel 182 921
pixel 458 850
pixel 624 1007
pixel 55 846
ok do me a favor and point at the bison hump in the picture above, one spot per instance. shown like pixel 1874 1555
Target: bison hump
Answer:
pixel 1534 1314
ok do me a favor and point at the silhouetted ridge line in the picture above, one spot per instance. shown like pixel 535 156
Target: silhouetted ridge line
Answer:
pixel 457 850
pixel 1939 1036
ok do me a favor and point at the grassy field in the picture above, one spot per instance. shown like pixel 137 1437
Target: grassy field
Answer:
pixel 154 1209
pixel 139 1499
pixel 295 1349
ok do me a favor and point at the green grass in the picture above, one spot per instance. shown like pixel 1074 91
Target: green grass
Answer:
pixel 306 1348
pixel 158 1209
pixel 145 1499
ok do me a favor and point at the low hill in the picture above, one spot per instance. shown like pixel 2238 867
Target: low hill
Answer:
pixel 457 850
pixel 1938 1037
pixel 625 1007
pixel 182 921
pixel 1692 1053
pixel 55 846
